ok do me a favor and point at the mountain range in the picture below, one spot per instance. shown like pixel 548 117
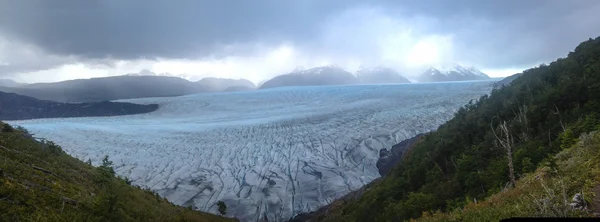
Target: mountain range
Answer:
pixel 333 75
pixel 149 84
pixel 124 87
pixel 453 72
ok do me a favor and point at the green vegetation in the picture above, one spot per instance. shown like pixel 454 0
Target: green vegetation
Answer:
pixel 40 182
pixel 490 144
pixel 545 193
pixel 222 207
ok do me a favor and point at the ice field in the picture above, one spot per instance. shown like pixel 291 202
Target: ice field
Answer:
pixel 273 153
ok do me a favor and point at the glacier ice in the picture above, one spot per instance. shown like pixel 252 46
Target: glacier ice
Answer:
pixel 273 153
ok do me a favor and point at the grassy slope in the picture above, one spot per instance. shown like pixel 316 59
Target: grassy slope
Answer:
pixel 39 182
pixel 545 193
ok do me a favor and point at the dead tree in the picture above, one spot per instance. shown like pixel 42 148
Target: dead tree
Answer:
pixel 557 112
pixel 506 141
pixel 521 117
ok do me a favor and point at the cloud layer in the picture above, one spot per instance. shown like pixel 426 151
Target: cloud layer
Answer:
pixel 65 39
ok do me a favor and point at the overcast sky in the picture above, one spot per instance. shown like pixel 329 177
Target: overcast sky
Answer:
pixel 42 41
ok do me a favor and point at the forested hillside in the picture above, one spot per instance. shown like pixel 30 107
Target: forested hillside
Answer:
pixel 491 143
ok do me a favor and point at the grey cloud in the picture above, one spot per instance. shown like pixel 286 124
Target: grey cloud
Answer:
pixel 495 34
pixel 540 33
pixel 142 29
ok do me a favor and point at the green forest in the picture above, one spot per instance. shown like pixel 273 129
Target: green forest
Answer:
pixel 491 144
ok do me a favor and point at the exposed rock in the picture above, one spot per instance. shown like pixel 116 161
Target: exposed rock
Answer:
pixel 577 203
pixel 388 159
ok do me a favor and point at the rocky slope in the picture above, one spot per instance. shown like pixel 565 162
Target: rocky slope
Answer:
pixel 389 158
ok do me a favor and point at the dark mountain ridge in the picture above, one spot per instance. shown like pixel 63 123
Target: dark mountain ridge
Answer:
pixel 122 87
pixel 17 107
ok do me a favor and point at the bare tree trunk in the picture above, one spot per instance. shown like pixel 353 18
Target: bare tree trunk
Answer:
pixel 560 118
pixel 506 141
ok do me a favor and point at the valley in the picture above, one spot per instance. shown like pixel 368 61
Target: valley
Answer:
pixel 269 153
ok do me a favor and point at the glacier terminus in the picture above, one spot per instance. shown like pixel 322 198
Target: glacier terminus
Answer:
pixel 269 153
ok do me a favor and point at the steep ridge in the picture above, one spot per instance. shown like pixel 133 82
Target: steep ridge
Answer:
pixel 539 114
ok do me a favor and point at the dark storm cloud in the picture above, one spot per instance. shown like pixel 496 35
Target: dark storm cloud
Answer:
pixel 488 33
pixel 140 28
pixel 534 32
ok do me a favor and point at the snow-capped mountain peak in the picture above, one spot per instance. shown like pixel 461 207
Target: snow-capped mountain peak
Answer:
pixel 448 69
pixel 452 72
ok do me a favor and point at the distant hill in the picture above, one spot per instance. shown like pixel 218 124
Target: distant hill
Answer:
pixel 122 87
pixel 10 83
pixel 221 84
pixel 18 107
pixel 453 72
pixel 325 75
pixel 107 88
pixel 376 75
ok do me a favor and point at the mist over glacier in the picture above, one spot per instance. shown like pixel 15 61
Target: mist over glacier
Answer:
pixel 266 153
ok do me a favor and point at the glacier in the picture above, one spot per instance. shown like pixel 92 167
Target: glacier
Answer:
pixel 269 153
